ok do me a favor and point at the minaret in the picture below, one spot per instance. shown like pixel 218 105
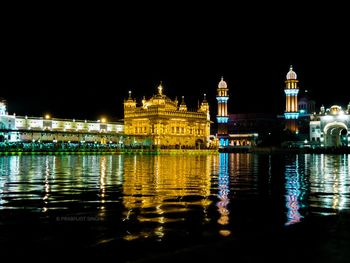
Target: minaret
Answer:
pixel 222 117
pixel 291 90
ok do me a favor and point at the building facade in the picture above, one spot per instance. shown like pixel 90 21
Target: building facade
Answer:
pixel 330 127
pixel 166 123
pixel 46 129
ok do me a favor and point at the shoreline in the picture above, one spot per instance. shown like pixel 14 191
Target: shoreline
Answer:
pixel 113 152
pixel 278 150
pixel 256 150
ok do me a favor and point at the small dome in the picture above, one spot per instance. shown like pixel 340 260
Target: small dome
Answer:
pixel 291 74
pixel 335 110
pixel 222 84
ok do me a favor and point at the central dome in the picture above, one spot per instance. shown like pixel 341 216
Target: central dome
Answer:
pixel 291 74
pixel 222 84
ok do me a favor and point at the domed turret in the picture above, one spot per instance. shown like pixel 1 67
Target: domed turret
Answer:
pixel 335 110
pixel 291 74
pixel 183 106
pixel 222 84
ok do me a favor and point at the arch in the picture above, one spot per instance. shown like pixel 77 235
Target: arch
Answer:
pixel 335 134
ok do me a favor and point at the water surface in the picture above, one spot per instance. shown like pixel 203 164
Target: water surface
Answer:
pixel 130 198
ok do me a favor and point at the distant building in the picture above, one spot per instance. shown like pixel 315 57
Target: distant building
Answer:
pixel 166 123
pixel 246 129
pixel 46 129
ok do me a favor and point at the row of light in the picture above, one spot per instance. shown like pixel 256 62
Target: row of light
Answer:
pixel 103 120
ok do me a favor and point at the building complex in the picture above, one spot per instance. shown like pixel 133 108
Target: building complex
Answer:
pixel 163 122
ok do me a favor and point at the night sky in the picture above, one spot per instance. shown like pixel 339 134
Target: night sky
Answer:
pixel 80 61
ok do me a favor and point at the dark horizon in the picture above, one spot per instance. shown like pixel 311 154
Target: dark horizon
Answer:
pixel 82 65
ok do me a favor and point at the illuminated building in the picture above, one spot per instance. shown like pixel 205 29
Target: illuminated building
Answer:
pixel 330 127
pixel 222 117
pixel 291 90
pixel 166 123
pixel 46 129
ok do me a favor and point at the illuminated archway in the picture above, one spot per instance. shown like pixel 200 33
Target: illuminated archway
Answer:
pixel 335 134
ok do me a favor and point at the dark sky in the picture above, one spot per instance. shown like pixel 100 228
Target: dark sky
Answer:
pixel 80 61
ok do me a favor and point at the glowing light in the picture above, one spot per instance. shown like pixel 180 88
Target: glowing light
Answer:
pixel 291 92
pixel 47 116
pixel 223 142
pixel 222 99
pixel 291 115
pixel 222 119
pixel 103 120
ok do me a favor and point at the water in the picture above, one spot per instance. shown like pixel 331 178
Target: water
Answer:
pixel 126 199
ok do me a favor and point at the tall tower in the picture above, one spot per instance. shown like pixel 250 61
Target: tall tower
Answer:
pixel 222 117
pixel 291 90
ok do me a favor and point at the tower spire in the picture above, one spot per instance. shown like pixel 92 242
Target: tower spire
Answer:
pixel 222 117
pixel 183 106
pixel 291 90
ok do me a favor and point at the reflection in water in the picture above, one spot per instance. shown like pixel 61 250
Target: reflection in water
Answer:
pixel 294 191
pixel 330 175
pixel 162 189
pixel 164 195
pixel 224 189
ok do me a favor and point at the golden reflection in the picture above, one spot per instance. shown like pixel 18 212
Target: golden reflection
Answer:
pixel 102 180
pixel 47 182
pixel 161 189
